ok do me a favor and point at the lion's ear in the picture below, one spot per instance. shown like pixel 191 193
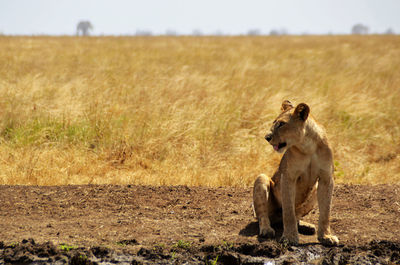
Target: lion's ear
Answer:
pixel 302 110
pixel 286 105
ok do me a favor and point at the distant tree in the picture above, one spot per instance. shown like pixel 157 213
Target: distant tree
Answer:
pixel 218 33
pixel 389 31
pixel 143 33
pixel 171 32
pixel 83 28
pixel 274 32
pixel 284 31
pixel 277 32
pixel 197 32
pixel 254 32
pixel 359 29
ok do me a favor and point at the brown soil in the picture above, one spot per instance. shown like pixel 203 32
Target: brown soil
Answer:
pixel 142 224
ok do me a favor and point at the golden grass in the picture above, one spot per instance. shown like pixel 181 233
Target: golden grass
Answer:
pixel 191 110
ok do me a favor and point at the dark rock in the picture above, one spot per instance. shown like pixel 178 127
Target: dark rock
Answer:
pixel 100 252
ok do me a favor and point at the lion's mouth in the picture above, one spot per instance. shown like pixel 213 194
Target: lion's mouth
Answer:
pixel 279 146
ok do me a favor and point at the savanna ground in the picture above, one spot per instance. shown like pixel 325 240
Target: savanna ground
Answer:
pixel 167 111
pixel 198 225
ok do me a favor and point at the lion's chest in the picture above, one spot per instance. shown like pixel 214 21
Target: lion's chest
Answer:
pixel 306 186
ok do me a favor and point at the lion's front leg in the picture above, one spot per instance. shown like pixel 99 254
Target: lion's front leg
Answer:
pixel 288 190
pixel 324 193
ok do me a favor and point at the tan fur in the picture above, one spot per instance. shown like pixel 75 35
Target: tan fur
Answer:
pixel 304 176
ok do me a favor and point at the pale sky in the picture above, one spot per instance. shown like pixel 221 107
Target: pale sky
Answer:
pixel 120 17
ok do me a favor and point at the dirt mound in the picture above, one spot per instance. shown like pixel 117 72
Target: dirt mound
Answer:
pixel 382 252
pixel 30 252
pixel 270 252
pixel 144 224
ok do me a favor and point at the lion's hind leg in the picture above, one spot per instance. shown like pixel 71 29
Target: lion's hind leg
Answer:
pixel 306 228
pixel 262 203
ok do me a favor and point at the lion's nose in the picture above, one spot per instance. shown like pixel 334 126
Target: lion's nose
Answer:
pixel 268 137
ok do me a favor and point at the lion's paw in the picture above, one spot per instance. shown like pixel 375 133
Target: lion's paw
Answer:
pixel 329 240
pixel 306 228
pixel 289 240
pixel 267 232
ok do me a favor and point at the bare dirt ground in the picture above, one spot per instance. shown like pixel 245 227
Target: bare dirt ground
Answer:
pixel 194 225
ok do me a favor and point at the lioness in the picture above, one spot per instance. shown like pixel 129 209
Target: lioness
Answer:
pixel 304 175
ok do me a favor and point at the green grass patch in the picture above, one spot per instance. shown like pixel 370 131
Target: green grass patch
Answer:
pixel 182 245
pixel 40 131
pixel 66 247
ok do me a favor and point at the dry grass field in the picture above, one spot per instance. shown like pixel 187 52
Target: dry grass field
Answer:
pixel 191 110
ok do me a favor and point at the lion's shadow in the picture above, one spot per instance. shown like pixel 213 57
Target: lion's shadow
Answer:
pixel 252 229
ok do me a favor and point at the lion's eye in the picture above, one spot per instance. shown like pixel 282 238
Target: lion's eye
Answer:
pixel 280 124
